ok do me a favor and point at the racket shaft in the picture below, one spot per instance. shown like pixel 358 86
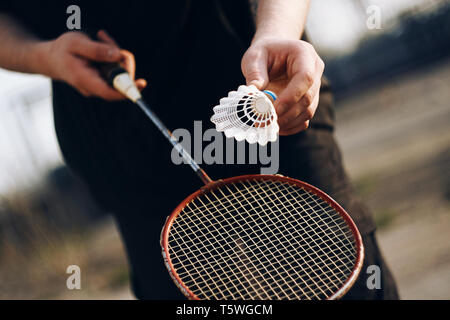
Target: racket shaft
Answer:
pixel 166 132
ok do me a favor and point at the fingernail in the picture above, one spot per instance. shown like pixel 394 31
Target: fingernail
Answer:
pixel 256 83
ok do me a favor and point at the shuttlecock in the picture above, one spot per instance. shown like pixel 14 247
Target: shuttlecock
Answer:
pixel 247 114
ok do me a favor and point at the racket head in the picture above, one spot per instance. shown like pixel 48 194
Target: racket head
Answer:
pixel 217 185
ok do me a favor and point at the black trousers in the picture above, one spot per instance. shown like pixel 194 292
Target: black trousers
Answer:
pixel 311 156
pixel 360 290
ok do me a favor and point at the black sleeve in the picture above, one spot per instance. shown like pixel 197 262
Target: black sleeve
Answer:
pixel 45 19
pixel 4 6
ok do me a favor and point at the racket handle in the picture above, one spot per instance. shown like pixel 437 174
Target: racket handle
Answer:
pixel 109 71
pixel 118 78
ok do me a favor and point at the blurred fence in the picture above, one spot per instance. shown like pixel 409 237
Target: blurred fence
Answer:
pixel 416 39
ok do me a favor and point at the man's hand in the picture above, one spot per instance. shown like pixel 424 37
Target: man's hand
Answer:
pixel 69 58
pixel 290 68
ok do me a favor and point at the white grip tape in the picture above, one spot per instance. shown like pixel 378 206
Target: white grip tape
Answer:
pixel 126 86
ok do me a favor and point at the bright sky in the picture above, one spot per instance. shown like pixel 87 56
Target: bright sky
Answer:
pixel 18 166
pixel 338 24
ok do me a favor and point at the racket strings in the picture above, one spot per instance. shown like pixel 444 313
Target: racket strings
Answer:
pixel 312 249
pixel 257 255
pixel 261 239
pixel 240 197
pixel 251 270
pixel 231 274
pixel 309 219
pixel 325 221
pixel 203 266
pixel 249 277
pixel 239 262
pixel 275 225
pixel 269 240
pixel 196 231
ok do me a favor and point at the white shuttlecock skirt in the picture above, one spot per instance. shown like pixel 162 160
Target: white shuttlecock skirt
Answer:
pixel 247 114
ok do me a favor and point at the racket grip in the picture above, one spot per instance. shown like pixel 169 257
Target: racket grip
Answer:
pixel 118 78
pixel 109 71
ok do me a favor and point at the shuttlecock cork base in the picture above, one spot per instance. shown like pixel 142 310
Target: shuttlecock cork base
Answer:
pixel 247 114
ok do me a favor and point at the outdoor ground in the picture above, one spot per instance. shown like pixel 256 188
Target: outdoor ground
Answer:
pixel 396 143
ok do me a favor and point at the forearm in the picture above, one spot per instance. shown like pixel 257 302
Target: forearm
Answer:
pixel 19 50
pixel 283 19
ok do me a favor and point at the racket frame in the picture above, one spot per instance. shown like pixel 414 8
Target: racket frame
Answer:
pixel 164 240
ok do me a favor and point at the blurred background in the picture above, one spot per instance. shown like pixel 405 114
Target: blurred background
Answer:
pixel 393 119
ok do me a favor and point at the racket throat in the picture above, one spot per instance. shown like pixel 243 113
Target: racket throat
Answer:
pixel 203 176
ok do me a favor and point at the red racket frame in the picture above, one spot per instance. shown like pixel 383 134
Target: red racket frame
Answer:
pixel 215 184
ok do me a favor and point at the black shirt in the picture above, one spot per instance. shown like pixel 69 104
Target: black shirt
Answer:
pixel 189 52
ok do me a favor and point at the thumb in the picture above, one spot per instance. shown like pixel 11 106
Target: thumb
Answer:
pixel 254 68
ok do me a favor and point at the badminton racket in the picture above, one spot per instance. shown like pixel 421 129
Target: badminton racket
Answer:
pixel 254 236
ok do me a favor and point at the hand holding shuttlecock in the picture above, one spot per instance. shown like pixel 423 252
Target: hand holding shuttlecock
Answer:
pixel 247 114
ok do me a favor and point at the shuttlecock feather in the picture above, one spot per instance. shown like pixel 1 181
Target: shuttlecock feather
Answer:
pixel 247 114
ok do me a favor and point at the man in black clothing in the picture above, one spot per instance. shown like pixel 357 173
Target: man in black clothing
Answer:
pixel 184 47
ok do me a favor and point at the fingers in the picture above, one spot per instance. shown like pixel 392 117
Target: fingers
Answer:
pixel 94 50
pixel 80 73
pixel 303 78
pixel 141 84
pixel 106 38
pixel 254 68
pixel 304 68
pixel 277 85
pixel 295 70
pixel 301 106
pixel 129 63
pixel 300 127
pixel 126 60
pixel 303 111
pixel 94 85
pixel 301 122
pixel 97 87
pixel 90 83
pixel 298 102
